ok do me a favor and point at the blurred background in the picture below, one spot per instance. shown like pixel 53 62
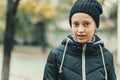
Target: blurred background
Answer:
pixel 29 29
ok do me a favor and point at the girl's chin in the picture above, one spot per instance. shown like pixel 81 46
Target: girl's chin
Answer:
pixel 81 41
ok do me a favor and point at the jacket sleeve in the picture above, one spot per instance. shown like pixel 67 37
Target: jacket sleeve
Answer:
pixel 111 69
pixel 51 69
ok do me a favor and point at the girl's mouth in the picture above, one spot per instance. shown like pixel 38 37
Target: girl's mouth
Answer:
pixel 81 37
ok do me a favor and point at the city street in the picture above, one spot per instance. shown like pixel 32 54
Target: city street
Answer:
pixel 30 66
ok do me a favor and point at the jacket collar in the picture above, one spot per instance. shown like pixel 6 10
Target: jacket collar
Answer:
pixel 77 47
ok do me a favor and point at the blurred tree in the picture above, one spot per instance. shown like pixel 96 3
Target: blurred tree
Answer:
pixel 40 12
pixel 9 37
pixel 2 19
pixel 113 11
pixel 24 28
pixel 111 20
pixel 101 1
pixel 63 8
pixel 113 16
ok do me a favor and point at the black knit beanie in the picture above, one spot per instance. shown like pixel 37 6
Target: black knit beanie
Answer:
pixel 91 7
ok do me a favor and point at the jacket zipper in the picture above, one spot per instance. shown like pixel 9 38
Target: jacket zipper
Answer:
pixel 83 63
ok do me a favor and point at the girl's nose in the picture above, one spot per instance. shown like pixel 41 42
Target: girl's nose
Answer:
pixel 81 29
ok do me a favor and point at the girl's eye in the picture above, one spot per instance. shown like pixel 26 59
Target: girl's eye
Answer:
pixel 86 24
pixel 75 24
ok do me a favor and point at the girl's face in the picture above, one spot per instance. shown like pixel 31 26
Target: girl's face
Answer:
pixel 83 27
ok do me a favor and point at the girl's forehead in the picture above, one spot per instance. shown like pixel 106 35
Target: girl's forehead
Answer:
pixel 82 16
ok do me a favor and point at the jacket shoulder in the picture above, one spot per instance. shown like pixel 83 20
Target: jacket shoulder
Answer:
pixel 58 49
pixel 55 52
pixel 108 56
pixel 107 53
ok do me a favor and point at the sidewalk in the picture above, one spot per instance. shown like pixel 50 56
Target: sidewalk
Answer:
pixel 31 67
pixel 25 67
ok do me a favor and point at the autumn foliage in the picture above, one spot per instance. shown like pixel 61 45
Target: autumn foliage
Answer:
pixel 42 10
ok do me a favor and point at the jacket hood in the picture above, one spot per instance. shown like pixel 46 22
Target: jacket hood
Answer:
pixel 77 47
